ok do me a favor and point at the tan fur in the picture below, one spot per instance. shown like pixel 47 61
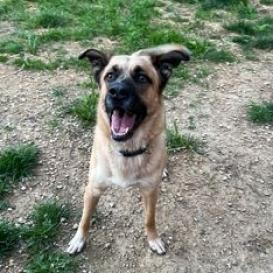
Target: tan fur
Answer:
pixel 108 166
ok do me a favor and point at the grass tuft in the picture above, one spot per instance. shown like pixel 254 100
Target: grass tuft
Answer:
pixel 9 236
pixel 177 141
pixel 59 91
pixel 254 34
pixel 11 46
pixel 85 108
pixel 266 2
pixel 219 56
pixel 18 162
pixel 5 188
pixel 261 113
pixel 46 218
pixel 50 18
pixel 51 262
pixel 216 4
pixel 3 58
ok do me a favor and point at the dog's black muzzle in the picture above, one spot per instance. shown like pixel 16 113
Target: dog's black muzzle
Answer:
pixel 122 101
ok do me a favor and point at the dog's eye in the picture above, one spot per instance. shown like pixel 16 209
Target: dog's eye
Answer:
pixel 110 76
pixel 141 78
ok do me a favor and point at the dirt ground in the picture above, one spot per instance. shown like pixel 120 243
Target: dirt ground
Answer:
pixel 215 210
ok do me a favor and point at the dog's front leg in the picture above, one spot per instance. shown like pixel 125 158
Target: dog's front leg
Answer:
pixel 91 199
pixel 150 199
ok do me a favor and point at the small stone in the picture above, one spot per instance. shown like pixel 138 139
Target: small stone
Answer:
pixel 23 188
pixel 59 187
pixel 107 245
pixel 21 220
pixel 75 226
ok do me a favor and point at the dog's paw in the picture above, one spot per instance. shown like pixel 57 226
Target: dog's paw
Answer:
pixel 157 246
pixel 76 244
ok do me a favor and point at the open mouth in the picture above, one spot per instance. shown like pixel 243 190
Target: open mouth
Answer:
pixel 122 124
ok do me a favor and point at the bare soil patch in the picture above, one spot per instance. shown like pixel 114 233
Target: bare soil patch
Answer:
pixel 215 211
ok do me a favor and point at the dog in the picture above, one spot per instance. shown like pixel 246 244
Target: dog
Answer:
pixel 129 148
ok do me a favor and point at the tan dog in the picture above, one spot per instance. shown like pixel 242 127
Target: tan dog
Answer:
pixel 129 146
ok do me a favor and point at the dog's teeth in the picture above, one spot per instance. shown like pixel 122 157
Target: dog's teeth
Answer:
pixel 126 131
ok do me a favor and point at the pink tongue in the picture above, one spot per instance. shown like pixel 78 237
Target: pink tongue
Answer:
pixel 122 124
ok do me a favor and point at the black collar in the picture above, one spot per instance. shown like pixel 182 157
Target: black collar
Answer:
pixel 127 153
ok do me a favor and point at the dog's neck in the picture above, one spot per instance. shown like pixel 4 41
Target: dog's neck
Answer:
pixel 128 153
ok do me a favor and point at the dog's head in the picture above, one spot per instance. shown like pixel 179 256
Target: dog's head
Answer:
pixel 131 85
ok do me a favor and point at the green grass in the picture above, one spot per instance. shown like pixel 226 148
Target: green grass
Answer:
pixel 3 58
pixel 261 113
pixel 9 237
pixel 59 92
pixel 177 141
pixel 50 18
pixel 52 262
pixel 46 218
pixel 11 46
pixel 213 4
pixel 85 108
pixel 16 162
pixel 19 161
pixel 266 2
pixel 5 188
pixel 246 12
pixel 219 56
pixel 130 24
pixel 39 238
pixel 34 64
pixel 216 4
pixel 253 34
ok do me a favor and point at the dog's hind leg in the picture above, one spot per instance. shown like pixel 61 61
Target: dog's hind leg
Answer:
pixel 150 200
pixel 91 199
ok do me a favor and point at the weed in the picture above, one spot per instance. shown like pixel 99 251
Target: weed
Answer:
pixel 17 162
pixel 266 2
pixel 3 58
pixel 4 188
pixel 242 27
pixel 85 108
pixel 32 43
pixel 177 141
pixel 9 237
pixel 212 4
pixel 50 18
pixel 246 12
pixel 205 14
pixel 46 218
pixel 51 262
pixel 192 124
pixel 254 34
pixel 219 56
pixel 261 113
pixel 34 64
pixel 4 204
pixel 59 91
pixel 11 46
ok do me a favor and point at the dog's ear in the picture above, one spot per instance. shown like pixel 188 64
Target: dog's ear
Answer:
pixel 165 58
pixel 97 59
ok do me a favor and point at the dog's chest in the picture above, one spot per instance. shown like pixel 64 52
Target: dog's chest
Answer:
pixel 128 172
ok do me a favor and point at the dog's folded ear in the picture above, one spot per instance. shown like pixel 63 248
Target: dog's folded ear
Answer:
pixel 97 59
pixel 165 58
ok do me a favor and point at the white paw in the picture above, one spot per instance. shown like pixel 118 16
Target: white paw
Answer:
pixel 157 246
pixel 76 244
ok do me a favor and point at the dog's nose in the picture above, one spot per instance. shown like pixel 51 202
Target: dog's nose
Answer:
pixel 118 92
